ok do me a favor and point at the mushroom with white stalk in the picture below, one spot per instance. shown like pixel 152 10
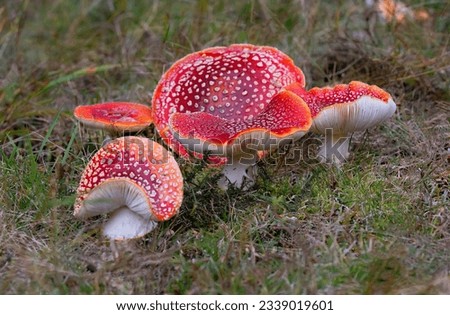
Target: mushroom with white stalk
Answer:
pixel 342 110
pixel 115 117
pixel 136 180
pixel 286 118
pixel 230 102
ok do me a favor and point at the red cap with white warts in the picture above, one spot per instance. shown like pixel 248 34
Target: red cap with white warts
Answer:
pixel 287 115
pixel 136 179
pixel 286 118
pixel 223 100
pixel 115 116
pixel 234 83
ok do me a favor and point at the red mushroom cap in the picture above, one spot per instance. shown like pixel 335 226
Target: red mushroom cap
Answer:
pixel 115 116
pixel 234 84
pixel 321 98
pixel 134 173
pixel 286 114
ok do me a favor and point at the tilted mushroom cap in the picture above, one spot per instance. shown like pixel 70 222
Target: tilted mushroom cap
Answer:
pixel 115 116
pixel 346 108
pixel 234 83
pixel 287 115
pixel 136 179
pixel 223 96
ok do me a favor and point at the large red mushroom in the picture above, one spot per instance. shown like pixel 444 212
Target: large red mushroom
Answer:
pixel 136 180
pixel 230 102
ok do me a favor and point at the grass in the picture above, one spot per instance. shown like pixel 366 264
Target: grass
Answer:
pixel 378 225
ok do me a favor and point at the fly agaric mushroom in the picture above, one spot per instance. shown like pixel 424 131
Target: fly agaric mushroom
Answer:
pixel 287 117
pixel 220 99
pixel 134 178
pixel 115 116
pixel 344 109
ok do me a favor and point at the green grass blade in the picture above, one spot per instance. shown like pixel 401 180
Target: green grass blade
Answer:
pixel 78 74
pixel 49 132
pixel 69 145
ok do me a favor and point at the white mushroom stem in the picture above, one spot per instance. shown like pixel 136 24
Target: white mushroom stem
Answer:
pixel 334 148
pixel 126 224
pixel 123 226
pixel 238 174
pixel 240 170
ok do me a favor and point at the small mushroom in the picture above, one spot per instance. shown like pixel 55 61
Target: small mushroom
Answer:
pixel 343 109
pixel 136 180
pixel 115 117
pixel 229 101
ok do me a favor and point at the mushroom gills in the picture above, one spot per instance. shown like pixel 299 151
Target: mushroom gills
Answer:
pixel 128 202
pixel 366 112
pixel 339 122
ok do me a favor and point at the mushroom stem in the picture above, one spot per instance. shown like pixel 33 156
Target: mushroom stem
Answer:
pixel 334 148
pixel 124 223
pixel 238 174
